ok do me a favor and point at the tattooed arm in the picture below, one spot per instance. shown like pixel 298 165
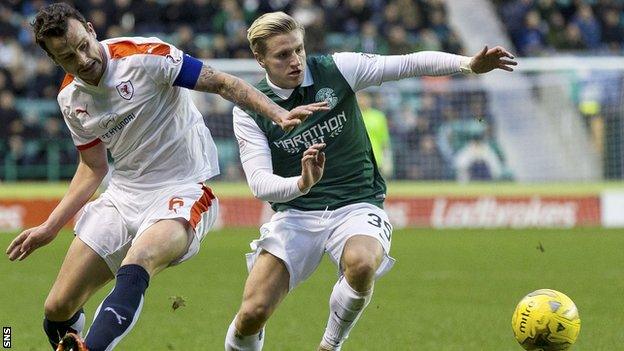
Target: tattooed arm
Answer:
pixel 247 97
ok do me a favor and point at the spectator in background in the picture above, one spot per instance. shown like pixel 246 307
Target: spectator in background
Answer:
pixel 391 18
pixel 412 18
pixel 312 18
pixel 453 44
pixel 377 128
pixel 545 8
pixel 99 21
pixel 438 24
pixel 123 13
pixel 532 41
pixel 275 5
pixel 613 30
pixel 474 154
pixel 177 14
pixel 185 40
pixel 353 13
pixel 476 160
pixel 116 31
pixel 446 135
pixel 432 5
pixel 556 37
pixel 45 85
pixel 219 48
pixel 428 40
pixel 23 133
pixel 201 24
pixel 147 16
pixel 513 14
pixel 426 163
pixel 7 26
pixel 55 139
pixel 588 25
pixel 416 125
pixel 229 19
pixel 29 126
pixel 592 94
pixel 16 152
pixel 5 80
pixel 398 43
pixel 306 12
pixel 53 130
pixel 568 25
pixel 12 53
pixel 370 41
pixel 237 46
pixel 572 39
pixel 9 115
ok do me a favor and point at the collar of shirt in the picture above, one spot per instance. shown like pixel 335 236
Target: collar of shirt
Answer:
pixel 285 93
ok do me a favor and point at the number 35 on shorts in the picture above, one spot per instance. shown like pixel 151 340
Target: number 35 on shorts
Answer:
pixel 378 222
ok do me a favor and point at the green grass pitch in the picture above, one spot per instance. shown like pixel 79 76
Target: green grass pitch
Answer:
pixel 450 290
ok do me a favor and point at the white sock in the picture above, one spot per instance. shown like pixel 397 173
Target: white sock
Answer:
pixel 234 341
pixel 345 308
pixel 80 323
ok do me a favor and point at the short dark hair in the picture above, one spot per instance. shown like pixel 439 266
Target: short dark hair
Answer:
pixel 51 21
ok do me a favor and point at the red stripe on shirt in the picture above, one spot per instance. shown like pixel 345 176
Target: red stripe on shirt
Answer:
pixel 89 145
pixel 128 48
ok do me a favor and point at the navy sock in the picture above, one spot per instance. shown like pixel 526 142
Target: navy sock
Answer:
pixel 120 309
pixel 56 330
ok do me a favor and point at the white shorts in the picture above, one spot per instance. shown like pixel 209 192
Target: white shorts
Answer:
pixel 300 238
pixel 112 222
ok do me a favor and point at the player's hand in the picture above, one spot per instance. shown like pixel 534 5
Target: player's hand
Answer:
pixel 299 114
pixel 489 59
pixel 28 241
pixel 312 167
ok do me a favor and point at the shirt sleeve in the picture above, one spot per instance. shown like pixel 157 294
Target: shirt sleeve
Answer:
pixel 365 70
pixel 163 62
pixel 255 156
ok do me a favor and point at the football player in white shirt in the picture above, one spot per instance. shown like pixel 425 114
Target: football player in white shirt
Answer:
pixel 129 96
pixel 335 208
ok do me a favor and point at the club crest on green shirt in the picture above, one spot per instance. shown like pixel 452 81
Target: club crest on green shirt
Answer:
pixel 327 94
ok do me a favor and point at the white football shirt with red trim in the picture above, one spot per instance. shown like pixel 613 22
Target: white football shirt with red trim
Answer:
pixel 154 132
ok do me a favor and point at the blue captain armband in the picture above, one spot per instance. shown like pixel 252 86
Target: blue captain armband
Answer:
pixel 189 73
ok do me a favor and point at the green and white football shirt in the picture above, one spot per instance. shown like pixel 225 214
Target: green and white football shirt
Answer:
pixel 351 175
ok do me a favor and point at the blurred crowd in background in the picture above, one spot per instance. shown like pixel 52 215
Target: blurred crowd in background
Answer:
pixel 541 27
pixel 422 125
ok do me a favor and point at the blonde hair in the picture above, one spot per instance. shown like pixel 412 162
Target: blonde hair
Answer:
pixel 269 25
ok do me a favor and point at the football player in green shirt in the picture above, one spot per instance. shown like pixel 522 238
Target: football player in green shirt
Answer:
pixel 335 208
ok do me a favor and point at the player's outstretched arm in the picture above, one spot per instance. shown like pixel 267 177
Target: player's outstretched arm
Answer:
pixel 89 174
pixel 312 167
pixel 246 96
pixel 489 59
pixel 365 70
